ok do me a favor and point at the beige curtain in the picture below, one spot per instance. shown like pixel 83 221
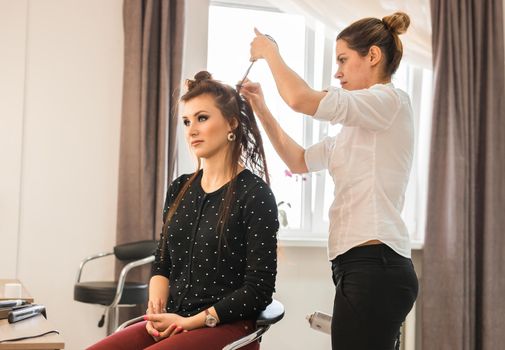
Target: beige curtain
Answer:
pixel 153 32
pixel 464 256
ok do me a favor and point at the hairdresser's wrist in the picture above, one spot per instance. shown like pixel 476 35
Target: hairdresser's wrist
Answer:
pixel 271 55
pixel 263 114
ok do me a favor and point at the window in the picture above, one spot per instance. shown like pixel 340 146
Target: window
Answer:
pixel 304 200
pixel 230 34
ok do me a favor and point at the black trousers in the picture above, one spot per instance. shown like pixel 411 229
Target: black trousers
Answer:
pixel 375 289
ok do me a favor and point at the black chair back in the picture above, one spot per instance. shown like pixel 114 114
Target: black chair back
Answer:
pixel 135 250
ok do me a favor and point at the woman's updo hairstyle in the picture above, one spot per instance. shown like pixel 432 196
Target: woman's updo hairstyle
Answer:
pixel 248 145
pixel 199 77
pixel 366 32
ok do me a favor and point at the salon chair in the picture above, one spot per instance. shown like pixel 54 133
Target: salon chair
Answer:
pixel 115 294
pixel 273 313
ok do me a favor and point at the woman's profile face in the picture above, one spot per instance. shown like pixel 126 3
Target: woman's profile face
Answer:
pixel 206 129
pixel 354 71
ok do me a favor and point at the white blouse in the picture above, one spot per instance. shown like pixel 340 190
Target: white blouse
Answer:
pixel 369 161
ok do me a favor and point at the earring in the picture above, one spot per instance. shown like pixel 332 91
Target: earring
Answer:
pixel 231 136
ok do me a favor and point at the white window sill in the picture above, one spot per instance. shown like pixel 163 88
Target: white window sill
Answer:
pixel 302 242
pixel 321 242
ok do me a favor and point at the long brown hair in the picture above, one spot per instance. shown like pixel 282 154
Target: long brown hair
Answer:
pixel 247 148
pixel 362 34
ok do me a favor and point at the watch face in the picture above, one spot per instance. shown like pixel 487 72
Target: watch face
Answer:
pixel 210 321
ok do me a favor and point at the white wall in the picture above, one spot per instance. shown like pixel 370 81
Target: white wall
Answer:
pixel 12 78
pixel 195 59
pixel 60 144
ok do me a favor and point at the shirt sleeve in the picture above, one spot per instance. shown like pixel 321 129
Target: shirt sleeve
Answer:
pixel 162 263
pixel 317 156
pixel 374 108
pixel 261 226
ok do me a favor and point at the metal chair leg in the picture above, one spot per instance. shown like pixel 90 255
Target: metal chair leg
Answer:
pixel 112 319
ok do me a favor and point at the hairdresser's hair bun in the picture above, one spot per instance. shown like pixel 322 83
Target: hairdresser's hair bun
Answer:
pixel 397 23
pixel 199 77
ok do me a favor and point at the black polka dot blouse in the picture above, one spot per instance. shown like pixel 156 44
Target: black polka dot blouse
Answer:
pixel 235 274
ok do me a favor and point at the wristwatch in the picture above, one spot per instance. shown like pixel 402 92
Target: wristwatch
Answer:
pixel 210 321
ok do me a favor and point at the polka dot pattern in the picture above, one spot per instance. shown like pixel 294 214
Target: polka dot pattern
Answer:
pixel 234 271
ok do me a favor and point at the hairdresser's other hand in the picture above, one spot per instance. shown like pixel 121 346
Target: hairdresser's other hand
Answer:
pixel 254 95
pixel 262 46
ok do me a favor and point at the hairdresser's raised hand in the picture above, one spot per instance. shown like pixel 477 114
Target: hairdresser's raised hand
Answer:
pixel 254 95
pixel 262 46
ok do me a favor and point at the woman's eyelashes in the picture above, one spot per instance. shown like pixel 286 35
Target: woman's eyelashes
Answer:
pixel 201 118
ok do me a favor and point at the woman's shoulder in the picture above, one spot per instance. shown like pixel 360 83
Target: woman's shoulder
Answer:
pixel 181 179
pixel 176 185
pixel 392 90
pixel 253 185
pixel 246 176
pixel 378 94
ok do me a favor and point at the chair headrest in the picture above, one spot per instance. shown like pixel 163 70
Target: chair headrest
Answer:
pixel 135 250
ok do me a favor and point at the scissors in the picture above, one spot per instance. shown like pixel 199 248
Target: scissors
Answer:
pixel 238 86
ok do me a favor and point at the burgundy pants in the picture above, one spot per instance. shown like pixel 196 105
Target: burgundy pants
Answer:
pixel 136 337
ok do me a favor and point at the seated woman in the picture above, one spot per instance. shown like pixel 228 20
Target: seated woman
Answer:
pixel 215 265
